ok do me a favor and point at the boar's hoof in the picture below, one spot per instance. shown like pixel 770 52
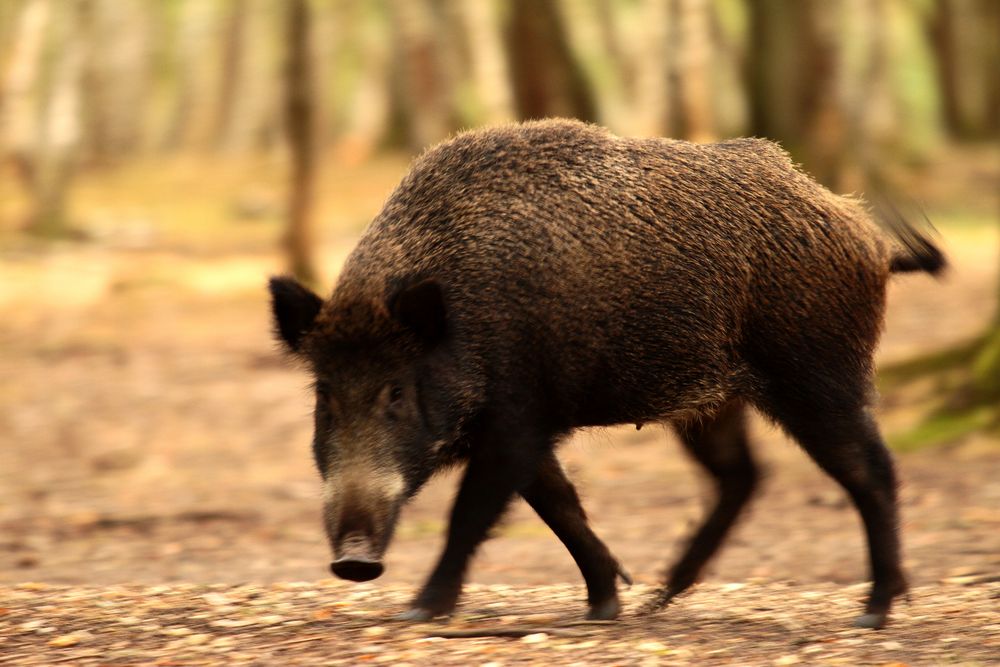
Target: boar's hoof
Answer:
pixel 658 600
pixel 356 569
pixel 416 615
pixel 872 621
pixel 604 611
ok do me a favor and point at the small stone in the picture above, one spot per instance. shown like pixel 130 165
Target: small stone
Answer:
pixel 375 631
pixel 63 641
pixel 651 646
pixel 231 623
pixel 32 586
pixel 535 638
pixel 216 599
pixel 268 620
pixel 789 659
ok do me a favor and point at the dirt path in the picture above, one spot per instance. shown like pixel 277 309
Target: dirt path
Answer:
pixel 332 623
pixel 152 436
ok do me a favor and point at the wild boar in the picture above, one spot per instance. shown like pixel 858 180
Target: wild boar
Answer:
pixel 525 281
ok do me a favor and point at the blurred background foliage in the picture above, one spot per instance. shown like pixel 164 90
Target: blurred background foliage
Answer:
pixel 236 125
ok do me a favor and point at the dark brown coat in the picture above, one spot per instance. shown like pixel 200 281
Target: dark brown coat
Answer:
pixel 662 273
pixel 531 279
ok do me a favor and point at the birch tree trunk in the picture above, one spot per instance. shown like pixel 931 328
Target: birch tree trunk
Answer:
pixel 19 122
pixel 41 115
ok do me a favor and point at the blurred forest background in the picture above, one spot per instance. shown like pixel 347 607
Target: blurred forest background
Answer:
pixel 159 158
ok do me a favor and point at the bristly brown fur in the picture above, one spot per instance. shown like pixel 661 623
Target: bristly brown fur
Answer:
pixel 528 280
pixel 643 277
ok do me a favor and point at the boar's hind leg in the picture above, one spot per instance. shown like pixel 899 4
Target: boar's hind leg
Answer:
pixel 555 500
pixel 499 467
pixel 846 444
pixel 719 444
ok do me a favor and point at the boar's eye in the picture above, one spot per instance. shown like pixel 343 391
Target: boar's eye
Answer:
pixel 395 394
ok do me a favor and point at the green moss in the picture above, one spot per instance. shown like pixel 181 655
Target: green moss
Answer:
pixel 945 427
pixel 969 381
pixel 986 368
pixel 959 357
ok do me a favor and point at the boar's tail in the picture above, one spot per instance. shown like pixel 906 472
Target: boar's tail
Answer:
pixel 922 256
pixel 918 252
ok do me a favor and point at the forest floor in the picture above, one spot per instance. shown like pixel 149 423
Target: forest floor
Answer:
pixel 158 504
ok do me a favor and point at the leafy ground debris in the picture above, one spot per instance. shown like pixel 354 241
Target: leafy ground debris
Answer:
pixel 328 622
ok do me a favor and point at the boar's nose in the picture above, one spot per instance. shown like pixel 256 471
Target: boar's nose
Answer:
pixel 354 569
pixel 357 559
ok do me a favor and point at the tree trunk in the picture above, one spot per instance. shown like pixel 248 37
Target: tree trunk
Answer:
pixel 365 58
pixel 966 43
pixel 651 114
pixel 42 114
pixel 822 109
pixel 546 79
pixel 116 73
pixel 943 33
pixel 234 37
pixel 424 86
pixel 248 117
pixel 486 69
pixel 299 127
pixel 693 20
pixel 195 73
pixel 775 69
pixel 19 123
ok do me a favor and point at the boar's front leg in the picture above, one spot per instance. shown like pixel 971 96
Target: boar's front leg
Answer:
pixel 555 500
pixel 499 467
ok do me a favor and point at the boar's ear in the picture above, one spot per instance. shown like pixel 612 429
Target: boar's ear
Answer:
pixel 419 306
pixel 295 309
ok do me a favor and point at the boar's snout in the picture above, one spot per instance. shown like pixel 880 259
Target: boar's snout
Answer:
pixel 357 560
pixel 362 507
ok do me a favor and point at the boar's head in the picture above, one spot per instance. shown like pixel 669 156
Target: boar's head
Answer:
pixel 384 410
